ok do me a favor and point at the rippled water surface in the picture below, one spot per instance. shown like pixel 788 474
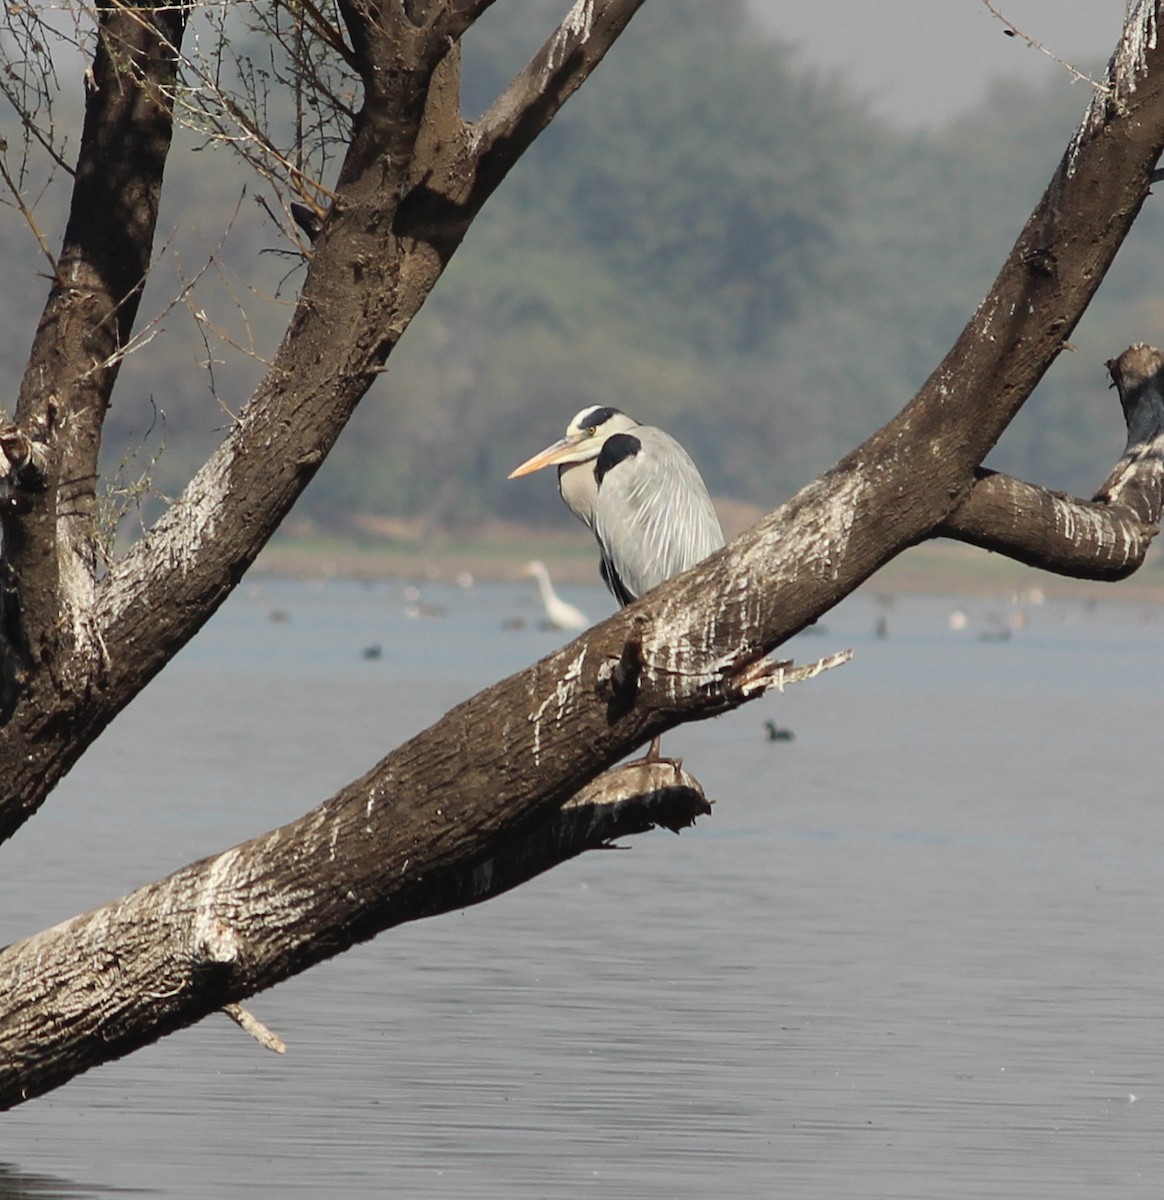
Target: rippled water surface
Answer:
pixel 915 952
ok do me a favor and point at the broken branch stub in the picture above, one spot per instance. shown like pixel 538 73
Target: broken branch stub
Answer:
pixel 1135 484
pixel 1105 538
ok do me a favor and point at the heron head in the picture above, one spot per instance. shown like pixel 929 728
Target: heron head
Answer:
pixel 585 435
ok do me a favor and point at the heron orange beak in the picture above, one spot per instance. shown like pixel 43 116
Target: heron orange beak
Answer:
pixel 559 452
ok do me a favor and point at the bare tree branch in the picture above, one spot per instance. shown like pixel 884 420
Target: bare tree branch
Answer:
pixel 328 32
pixel 334 348
pixel 249 1023
pixel 29 79
pixel 526 107
pixel 891 492
pixel 436 821
pixel 99 986
pixel 1012 30
pixel 25 211
pixel 1106 538
pixel 50 542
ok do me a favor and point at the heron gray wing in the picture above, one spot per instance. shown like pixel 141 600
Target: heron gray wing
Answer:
pixel 653 517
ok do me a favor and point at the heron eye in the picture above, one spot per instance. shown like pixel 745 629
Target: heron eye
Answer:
pixel 591 430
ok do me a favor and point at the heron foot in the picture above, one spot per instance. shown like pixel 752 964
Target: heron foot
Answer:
pixel 654 755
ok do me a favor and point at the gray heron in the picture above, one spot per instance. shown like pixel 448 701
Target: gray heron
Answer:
pixel 640 493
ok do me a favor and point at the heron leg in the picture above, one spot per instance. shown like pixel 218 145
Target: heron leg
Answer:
pixel 654 754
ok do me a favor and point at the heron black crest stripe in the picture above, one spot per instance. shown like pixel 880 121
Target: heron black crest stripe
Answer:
pixel 597 416
pixel 616 448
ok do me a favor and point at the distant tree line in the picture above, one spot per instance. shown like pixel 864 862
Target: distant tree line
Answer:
pixel 769 290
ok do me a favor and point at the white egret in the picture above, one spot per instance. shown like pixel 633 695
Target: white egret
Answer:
pixel 559 613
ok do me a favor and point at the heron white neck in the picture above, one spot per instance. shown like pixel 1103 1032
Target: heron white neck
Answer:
pixel 579 490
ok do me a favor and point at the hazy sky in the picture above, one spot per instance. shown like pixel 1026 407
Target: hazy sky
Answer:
pixel 921 61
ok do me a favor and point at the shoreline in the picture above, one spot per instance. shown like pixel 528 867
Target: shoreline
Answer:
pixel 939 568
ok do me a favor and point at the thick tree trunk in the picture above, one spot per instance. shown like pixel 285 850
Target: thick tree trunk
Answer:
pixel 110 981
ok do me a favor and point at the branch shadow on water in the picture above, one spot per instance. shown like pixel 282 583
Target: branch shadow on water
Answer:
pixel 18 1184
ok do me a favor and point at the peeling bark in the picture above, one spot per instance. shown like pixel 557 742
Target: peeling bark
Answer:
pixel 1105 538
pixel 105 983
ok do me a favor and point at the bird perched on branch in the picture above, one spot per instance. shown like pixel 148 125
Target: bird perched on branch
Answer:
pixel 640 493
pixel 638 489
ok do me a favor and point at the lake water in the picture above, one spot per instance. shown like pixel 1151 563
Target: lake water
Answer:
pixel 915 952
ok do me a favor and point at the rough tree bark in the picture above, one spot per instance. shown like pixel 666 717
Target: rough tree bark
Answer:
pixel 449 800
pixel 174 938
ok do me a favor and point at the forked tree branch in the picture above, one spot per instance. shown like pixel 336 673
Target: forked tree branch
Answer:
pixel 1105 538
pixel 366 281
pixel 894 490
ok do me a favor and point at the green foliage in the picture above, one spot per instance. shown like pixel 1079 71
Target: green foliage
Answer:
pixel 709 236
pixel 715 239
pixel 672 174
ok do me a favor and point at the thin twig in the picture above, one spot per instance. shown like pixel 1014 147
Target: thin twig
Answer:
pixel 26 212
pixel 1012 30
pixel 330 34
pixel 247 1021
